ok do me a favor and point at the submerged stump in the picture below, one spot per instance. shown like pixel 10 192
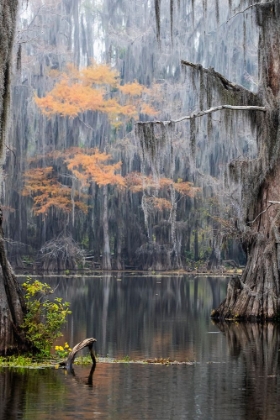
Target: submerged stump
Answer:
pixel 88 342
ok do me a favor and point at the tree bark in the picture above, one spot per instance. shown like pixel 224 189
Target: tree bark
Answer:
pixel 256 295
pixel 12 307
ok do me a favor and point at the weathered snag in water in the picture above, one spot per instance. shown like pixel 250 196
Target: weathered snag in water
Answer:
pixel 88 342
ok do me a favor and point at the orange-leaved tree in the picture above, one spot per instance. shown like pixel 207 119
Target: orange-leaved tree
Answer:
pixel 91 165
pixel 95 88
pixel 47 192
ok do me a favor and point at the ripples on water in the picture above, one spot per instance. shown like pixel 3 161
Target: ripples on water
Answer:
pixel 234 375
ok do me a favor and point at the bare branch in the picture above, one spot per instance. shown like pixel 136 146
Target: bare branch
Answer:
pixel 250 7
pixel 270 204
pixel 262 212
pixel 11 151
pixel 85 124
pixel 205 112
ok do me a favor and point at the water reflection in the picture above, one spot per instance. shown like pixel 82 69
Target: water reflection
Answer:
pixel 257 346
pixel 235 375
pixel 156 316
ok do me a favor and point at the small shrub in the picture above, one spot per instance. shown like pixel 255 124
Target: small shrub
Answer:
pixel 44 318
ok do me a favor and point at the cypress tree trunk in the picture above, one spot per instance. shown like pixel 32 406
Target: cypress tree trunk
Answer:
pixel 256 295
pixel 12 308
pixel 106 258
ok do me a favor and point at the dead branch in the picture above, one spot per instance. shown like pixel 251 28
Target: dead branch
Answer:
pixel 198 114
pixel 270 204
pixel 85 124
pixel 88 342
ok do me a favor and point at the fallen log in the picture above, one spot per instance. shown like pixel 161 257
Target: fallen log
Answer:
pixel 88 342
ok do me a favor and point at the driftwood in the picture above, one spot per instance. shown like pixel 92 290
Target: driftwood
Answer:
pixel 88 342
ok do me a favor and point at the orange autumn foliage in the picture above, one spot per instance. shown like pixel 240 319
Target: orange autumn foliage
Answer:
pixel 87 165
pixel 83 90
pixel 92 165
pixel 99 74
pixel 148 110
pixel 133 89
pixel 42 185
pixel 159 204
pixel 138 182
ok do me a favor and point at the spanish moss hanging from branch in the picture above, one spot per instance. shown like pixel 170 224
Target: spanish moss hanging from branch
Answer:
pixel 157 12
pixel 217 10
pixel 192 137
pixel 152 139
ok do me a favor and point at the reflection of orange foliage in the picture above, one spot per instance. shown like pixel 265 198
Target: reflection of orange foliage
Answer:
pixel 92 165
pixel 47 192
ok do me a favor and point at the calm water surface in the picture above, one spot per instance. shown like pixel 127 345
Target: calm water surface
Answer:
pixel 235 374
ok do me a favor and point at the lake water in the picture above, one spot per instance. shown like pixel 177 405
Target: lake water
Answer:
pixel 233 370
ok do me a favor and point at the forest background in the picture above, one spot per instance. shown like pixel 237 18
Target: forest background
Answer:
pixel 79 185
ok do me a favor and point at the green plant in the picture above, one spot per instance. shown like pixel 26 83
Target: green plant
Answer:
pixel 62 351
pixel 44 318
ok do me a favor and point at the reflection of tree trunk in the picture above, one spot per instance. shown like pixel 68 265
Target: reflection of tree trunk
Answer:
pixel 258 345
pixel 13 390
pixel 215 291
pixel 106 295
pixel 106 258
